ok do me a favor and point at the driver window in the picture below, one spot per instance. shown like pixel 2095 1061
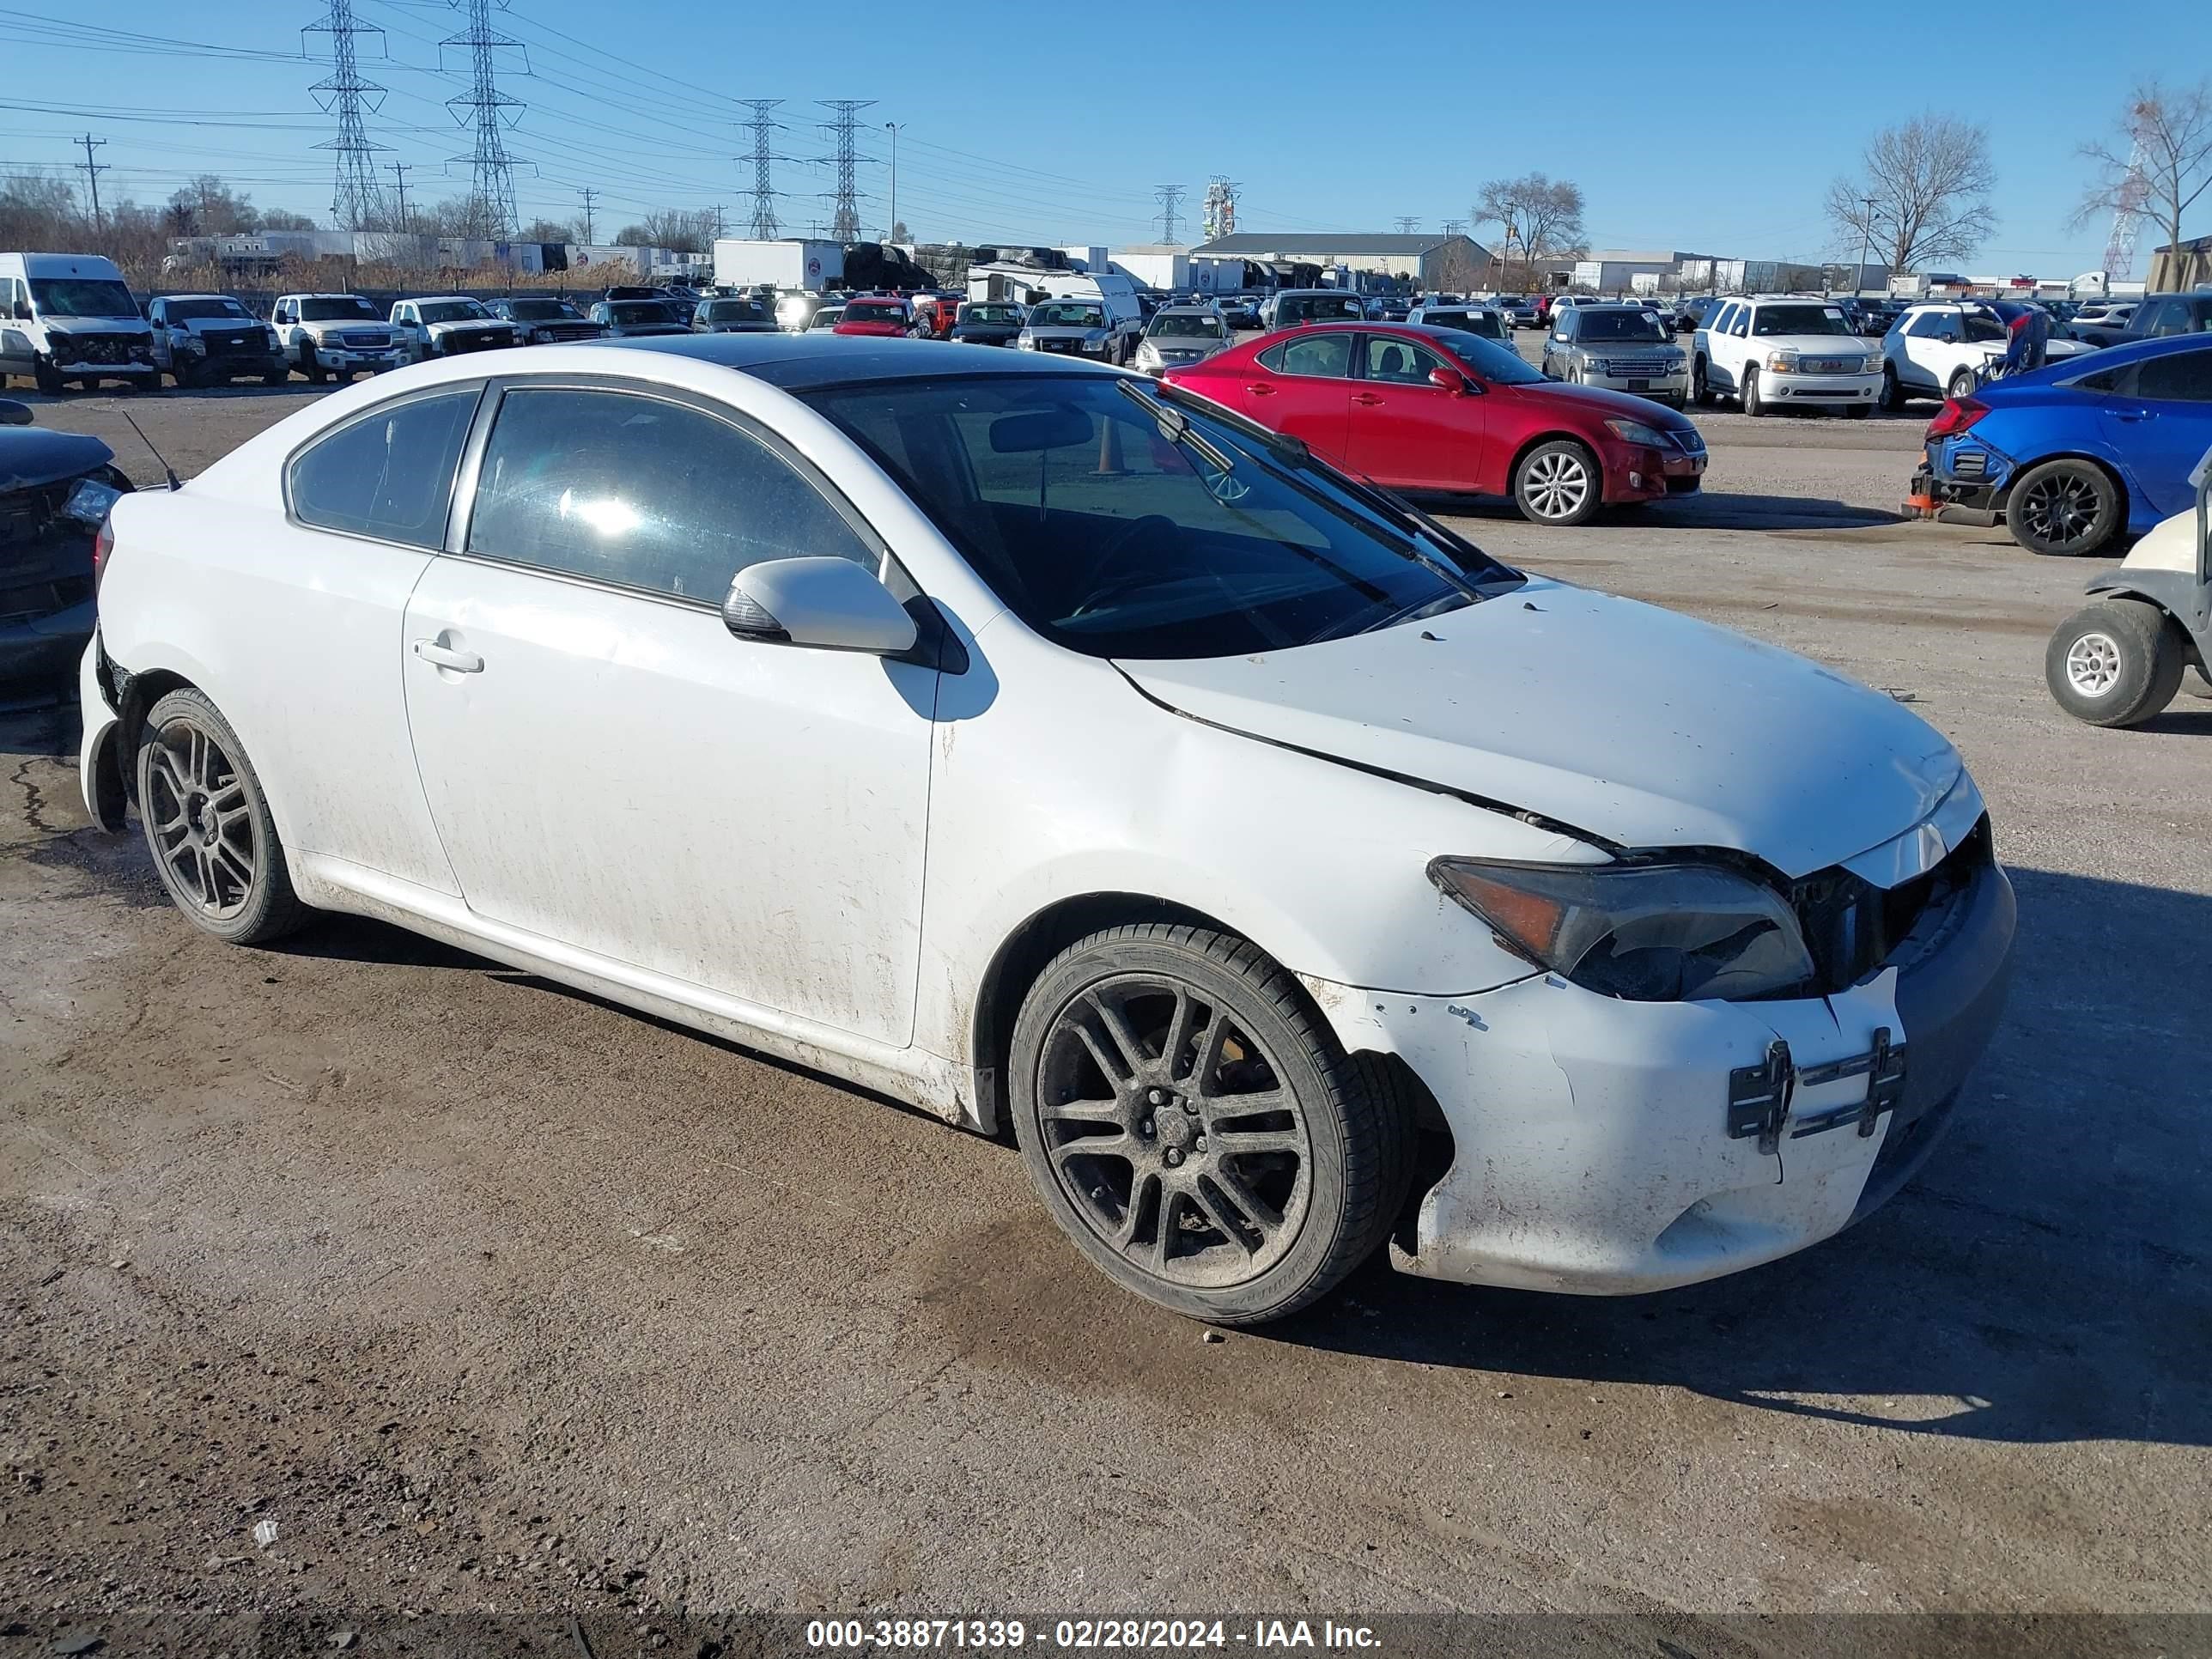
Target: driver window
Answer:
pixel 1739 325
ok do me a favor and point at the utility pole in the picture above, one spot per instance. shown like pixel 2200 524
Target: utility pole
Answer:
pixel 399 190
pixel 1169 197
pixel 1865 246
pixel 590 195
pixel 92 171
pixel 891 127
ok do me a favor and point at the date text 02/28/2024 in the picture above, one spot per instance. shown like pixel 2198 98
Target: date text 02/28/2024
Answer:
pixel 1123 1635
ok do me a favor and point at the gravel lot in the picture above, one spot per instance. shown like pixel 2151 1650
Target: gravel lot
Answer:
pixel 489 1297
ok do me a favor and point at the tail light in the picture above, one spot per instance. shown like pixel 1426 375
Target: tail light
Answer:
pixel 103 544
pixel 1955 417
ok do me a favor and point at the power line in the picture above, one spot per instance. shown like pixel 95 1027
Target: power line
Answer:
pixel 764 228
pixel 92 171
pixel 343 93
pixel 845 227
pixel 1169 197
pixel 491 195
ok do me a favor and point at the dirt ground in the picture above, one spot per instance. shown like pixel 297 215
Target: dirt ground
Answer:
pixel 486 1297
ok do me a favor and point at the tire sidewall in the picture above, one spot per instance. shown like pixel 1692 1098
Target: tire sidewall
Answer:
pixel 1589 507
pixel 2150 669
pixel 1289 1283
pixel 268 911
pixel 2106 526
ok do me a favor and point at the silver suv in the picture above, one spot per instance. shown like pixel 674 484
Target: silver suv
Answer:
pixel 1622 348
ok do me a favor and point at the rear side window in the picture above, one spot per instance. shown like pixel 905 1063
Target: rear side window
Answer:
pixel 644 493
pixel 388 474
pixel 2178 377
pixel 1326 355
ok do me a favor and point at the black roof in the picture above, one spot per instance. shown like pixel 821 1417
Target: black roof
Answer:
pixel 799 362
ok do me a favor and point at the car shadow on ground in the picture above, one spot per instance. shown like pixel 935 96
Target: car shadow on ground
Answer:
pixel 1715 510
pixel 2043 1278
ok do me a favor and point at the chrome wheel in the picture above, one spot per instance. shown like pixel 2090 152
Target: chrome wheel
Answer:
pixel 1557 485
pixel 2060 507
pixel 200 822
pixel 1171 1132
pixel 2093 664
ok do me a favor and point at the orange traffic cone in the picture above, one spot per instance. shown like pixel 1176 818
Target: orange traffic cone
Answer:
pixel 1109 451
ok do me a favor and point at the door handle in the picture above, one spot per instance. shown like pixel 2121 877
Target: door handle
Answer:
pixel 1260 389
pixel 444 656
pixel 1366 398
pixel 2135 414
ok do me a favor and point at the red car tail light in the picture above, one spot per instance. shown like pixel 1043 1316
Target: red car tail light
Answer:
pixel 1955 417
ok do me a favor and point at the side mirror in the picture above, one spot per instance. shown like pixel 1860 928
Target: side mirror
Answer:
pixel 12 413
pixel 1449 379
pixel 833 605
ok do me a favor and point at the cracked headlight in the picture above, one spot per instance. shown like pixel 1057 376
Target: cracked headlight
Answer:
pixel 1651 933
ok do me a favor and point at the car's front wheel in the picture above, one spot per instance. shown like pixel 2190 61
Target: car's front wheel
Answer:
pixel 2115 663
pixel 2064 508
pixel 208 825
pixel 1892 390
pixel 1961 383
pixel 1701 390
pixel 1197 1129
pixel 1558 484
pixel 1748 394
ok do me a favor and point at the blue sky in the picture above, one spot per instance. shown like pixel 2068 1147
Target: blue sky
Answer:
pixel 1056 124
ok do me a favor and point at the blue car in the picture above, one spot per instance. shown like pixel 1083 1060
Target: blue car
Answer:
pixel 2077 453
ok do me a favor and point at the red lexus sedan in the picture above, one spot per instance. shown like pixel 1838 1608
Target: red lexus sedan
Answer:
pixel 1420 407
pixel 876 314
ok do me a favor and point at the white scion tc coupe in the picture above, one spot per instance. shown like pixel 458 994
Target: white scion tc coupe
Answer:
pixel 1051 749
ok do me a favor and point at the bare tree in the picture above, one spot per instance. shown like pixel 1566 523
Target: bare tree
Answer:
pixel 2162 164
pixel 1544 215
pixel 1922 196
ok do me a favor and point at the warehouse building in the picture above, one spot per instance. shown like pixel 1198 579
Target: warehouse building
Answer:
pixel 1430 262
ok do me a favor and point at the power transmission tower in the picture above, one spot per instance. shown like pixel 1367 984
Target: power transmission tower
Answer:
pixel 764 228
pixel 92 171
pixel 1408 226
pixel 717 211
pixel 1169 197
pixel 845 227
pixel 355 202
pixel 399 170
pixel 591 197
pixel 2127 218
pixel 1221 212
pixel 491 193
pixel 1454 227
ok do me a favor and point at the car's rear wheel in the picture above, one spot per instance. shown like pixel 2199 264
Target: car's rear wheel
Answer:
pixel 2064 508
pixel 2115 663
pixel 1197 1129
pixel 208 825
pixel 1558 484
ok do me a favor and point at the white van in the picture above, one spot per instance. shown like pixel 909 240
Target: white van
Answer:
pixel 71 317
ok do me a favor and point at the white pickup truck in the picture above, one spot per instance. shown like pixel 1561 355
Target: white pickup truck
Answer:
pixel 340 334
pixel 1779 353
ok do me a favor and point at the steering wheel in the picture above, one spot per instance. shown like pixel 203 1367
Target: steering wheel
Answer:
pixel 1151 522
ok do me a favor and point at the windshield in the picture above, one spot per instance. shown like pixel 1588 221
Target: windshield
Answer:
pixel 452 310
pixel 1303 307
pixel 1499 364
pixel 733 311
pixel 1591 324
pixel 986 313
pixel 640 310
pixel 194 310
pixel 1066 315
pixel 827 317
pixel 1187 325
pixel 345 308
pixel 74 296
pixel 874 314
pixel 540 311
pixel 1170 554
pixel 1799 320
pixel 1484 323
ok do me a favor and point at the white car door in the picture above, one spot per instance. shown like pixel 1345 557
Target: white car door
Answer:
pixel 609 767
pixel 1933 347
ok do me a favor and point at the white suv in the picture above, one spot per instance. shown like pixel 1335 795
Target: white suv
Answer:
pixel 1772 353
pixel 1941 348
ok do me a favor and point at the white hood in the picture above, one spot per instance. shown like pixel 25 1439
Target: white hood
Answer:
pixel 1634 723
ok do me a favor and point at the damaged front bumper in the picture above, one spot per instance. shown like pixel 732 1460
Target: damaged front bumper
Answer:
pixel 1606 1148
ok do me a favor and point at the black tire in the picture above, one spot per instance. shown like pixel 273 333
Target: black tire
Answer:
pixel 1892 389
pixel 1542 490
pixel 44 377
pixel 2115 663
pixel 1961 383
pixel 1701 389
pixel 182 374
pixel 2064 508
pixel 189 763
pixel 1748 392
pixel 1209 1252
pixel 315 373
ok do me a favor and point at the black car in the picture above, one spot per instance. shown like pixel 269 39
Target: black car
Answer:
pixel 2156 316
pixel 546 321
pixel 1690 316
pixel 745 314
pixel 1241 310
pixel 988 322
pixel 55 491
